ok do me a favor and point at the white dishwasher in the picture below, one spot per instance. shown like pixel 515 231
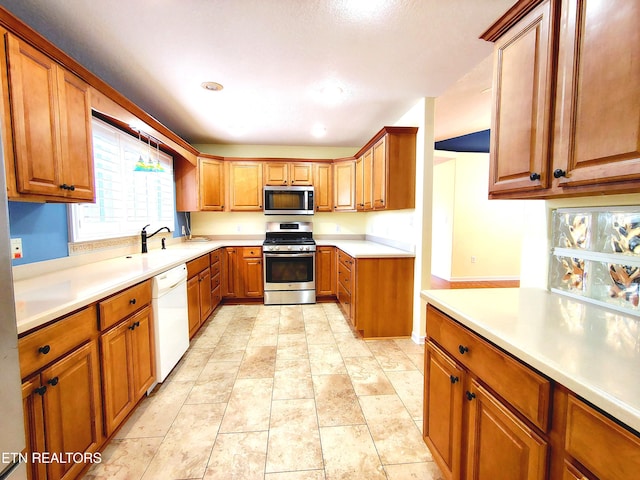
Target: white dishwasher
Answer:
pixel 170 312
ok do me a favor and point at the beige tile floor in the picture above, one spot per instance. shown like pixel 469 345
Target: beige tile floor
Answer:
pixel 279 393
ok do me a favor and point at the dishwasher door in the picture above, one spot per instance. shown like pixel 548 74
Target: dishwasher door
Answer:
pixel 170 312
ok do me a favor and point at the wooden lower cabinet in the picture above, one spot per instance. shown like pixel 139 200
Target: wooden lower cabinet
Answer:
pixel 252 278
pixel 499 445
pixel 325 271
pixel 63 413
pixel 242 273
pixel 475 431
pixel 128 366
pixel 443 396
pixel 198 292
pixel 358 286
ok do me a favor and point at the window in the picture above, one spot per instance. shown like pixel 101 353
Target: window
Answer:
pixel 134 187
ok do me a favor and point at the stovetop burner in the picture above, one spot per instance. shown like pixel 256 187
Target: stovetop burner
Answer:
pixel 292 234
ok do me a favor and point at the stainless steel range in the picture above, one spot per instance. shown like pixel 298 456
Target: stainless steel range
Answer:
pixel 289 253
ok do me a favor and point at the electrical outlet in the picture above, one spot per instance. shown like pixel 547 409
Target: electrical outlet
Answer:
pixel 16 248
pixel 473 259
pixel 184 230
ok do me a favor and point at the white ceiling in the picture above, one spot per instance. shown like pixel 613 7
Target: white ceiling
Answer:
pixel 273 57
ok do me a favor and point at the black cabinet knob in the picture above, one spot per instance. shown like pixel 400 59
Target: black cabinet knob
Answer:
pixel 453 379
pixel 470 396
pixel 45 349
pixel 559 173
pixel 132 301
pixel 132 326
pixel 72 187
pixel 462 349
pixel 137 324
pixel 64 186
pixel 41 390
pixel 53 382
pixel 534 176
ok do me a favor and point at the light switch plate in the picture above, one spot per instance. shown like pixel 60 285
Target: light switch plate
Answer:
pixel 16 248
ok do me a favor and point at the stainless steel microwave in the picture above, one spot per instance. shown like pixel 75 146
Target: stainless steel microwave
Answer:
pixel 283 200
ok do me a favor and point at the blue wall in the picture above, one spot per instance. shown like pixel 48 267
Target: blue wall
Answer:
pixel 43 228
pixel 477 142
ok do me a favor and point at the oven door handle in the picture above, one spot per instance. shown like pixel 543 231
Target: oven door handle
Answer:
pixel 287 254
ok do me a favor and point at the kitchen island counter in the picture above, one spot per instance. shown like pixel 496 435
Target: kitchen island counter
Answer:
pixel 591 350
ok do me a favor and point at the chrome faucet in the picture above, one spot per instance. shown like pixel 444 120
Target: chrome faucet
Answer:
pixel 144 236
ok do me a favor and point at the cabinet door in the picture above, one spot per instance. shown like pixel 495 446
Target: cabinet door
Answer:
pixel 229 273
pixel 245 183
pixel 76 137
pixel 193 304
pixel 521 109
pixel 205 294
pixel 572 473
pixel 211 185
pixel 142 352
pixel 276 173
pixel 72 408
pixel 325 271
pixel 344 183
pixel 597 127
pixel 34 102
pixel 117 376
pixel 379 174
pixel 301 174
pixel 444 384
pixel 34 425
pixel 252 277
pixel 499 445
pixel 323 187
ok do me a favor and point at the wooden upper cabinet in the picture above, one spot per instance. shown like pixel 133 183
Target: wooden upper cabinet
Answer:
pixel 386 170
pixel 566 113
pixel 276 173
pixel 520 124
pixel 51 118
pixel 323 186
pixel 245 186
pixel 344 185
pixel 597 126
pixel 211 185
pixel 288 173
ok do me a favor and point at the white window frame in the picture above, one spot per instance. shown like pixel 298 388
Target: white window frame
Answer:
pixel 126 200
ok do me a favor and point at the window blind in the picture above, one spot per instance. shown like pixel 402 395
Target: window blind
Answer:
pixel 127 198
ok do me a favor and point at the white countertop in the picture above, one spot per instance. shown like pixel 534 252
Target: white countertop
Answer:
pixel 366 249
pixel 593 351
pixel 44 298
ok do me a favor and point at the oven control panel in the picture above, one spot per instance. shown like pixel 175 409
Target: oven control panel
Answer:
pixel 289 248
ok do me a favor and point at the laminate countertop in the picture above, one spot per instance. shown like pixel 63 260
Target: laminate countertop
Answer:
pixel 591 350
pixel 46 297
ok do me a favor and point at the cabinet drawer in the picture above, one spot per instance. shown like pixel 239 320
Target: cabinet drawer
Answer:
pixel 345 259
pixel 604 447
pixel 527 391
pixel 123 304
pixel 344 277
pixel 215 280
pixel 45 345
pixel 215 257
pixel 216 297
pixel 194 267
pixel 344 298
pixel 215 268
pixel 252 252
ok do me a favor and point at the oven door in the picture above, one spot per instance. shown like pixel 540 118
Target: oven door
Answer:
pixel 289 271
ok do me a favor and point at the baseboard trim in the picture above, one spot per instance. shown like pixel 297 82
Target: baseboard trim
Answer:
pixel 483 279
pixel 419 339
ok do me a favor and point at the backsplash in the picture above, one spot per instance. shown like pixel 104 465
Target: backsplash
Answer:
pixel 595 256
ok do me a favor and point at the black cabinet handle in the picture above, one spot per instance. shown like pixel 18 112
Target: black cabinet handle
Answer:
pixel 534 176
pixel 462 349
pixel 44 350
pixel 453 379
pixel 132 301
pixel 137 324
pixel 53 382
pixel 559 173
pixel 470 396
pixel 72 187
pixel 41 390
pixel 64 186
